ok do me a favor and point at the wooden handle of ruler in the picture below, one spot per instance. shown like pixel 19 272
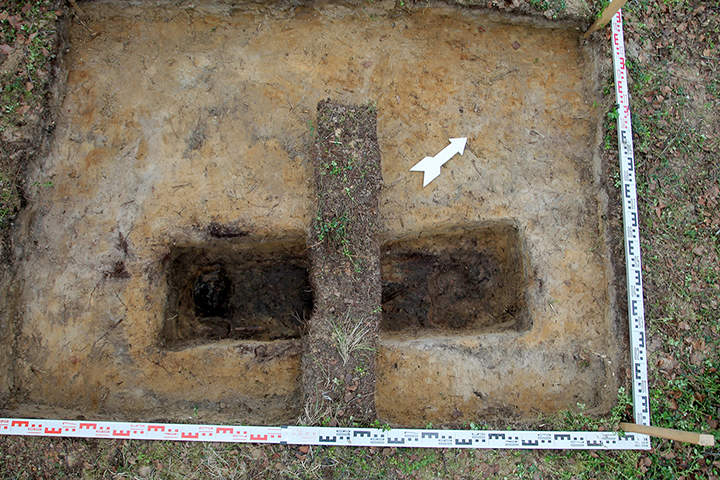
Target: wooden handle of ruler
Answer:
pixel 670 434
pixel 607 15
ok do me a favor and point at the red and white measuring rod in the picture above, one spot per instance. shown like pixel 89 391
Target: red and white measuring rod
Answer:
pixel 633 264
pixel 358 437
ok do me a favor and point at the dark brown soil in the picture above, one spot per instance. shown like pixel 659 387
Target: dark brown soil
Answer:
pixel 463 280
pixel 237 291
pixel 341 345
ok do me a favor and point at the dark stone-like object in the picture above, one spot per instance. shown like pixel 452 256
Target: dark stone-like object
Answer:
pixel 211 293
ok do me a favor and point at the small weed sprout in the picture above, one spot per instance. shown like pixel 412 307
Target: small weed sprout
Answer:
pixel 381 425
pixel 624 402
pixel 334 229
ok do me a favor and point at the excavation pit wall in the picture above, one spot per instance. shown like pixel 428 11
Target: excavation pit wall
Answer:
pixel 191 128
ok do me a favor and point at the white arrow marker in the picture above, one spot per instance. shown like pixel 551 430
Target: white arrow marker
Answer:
pixel 431 165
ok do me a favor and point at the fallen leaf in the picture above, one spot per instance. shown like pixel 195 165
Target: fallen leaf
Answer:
pixel 516 45
pixel 697 358
pixel 712 423
pixel 6 49
pixel 666 364
pixel 28 86
pixel 712 192
pixel 304 449
pixel 3 16
pixel 14 21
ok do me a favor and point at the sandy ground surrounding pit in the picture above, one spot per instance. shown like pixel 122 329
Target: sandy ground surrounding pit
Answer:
pixel 176 118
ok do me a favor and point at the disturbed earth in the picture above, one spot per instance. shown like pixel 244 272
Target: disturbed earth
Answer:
pixel 166 274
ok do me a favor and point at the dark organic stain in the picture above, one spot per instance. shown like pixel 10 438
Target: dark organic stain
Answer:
pixel 220 292
pixel 118 271
pixel 123 245
pixel 218 230
pixel 475 282
pixel 211 292
pixel 196 139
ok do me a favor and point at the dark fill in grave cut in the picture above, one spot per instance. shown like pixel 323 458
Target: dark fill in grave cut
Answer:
pixel 237 291
pixel 455 281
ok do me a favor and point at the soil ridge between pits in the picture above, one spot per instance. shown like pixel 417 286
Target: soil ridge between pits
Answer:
pixel 341 344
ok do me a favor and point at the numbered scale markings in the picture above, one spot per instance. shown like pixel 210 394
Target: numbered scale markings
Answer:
pixel 359 437
pixel 633 264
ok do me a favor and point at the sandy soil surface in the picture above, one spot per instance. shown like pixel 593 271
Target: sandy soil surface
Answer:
pixel 189 129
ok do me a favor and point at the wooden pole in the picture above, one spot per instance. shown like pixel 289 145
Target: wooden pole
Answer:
pixel 670 434
pixel 606 16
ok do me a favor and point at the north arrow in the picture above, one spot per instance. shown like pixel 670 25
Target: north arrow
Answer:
pixel 431 165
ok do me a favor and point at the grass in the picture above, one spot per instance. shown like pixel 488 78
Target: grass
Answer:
pixel 552 7
pixel 27 35
pixel 27 43
pixel 350 336
pixel 9 198
pixel 334 229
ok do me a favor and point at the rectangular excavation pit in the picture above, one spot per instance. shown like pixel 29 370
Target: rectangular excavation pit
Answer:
pixel 237 290
pixel 203 122
pixel 457 281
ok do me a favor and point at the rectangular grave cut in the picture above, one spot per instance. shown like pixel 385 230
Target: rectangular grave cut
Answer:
pixel 460 281
pixel 241 292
